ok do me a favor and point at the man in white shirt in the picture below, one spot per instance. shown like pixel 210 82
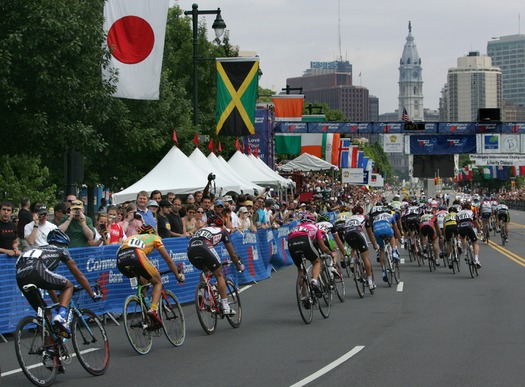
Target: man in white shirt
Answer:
pixel 36 231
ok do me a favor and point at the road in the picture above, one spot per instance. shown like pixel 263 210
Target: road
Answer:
pixel 437 329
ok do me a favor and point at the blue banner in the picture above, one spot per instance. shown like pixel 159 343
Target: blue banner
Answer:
pixel 261 139
pixel 442 144
pixel 259 251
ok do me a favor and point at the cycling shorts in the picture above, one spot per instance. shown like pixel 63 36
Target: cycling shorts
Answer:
pixel 450 230
pixel 485 215
pixel 203 256
pixel 302 245
pixel 42 278
pixel 356 239
pixel 382 230
pixel 466 229
pixel 134 263
pixel 427 229
pixel 503 216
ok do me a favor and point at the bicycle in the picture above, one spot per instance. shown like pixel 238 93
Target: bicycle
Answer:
pixel 360 277
pixel 307 297
pixel 431 258
pixel 208 305
pixel 420 258
pixel 455 254
pixel 411 250
pixel 336 281
pixel 391 267
pixel 42 351
pixel 443 249
pixel 486 231
pixel 140 327
pixel 503 233
pixel 473 269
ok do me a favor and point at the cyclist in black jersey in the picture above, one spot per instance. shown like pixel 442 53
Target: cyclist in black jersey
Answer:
pixel 202 254
pixel 36 267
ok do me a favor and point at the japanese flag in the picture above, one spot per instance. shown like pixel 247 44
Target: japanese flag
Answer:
pixel 135 35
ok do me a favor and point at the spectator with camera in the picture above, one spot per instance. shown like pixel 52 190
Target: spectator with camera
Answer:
pixel 35 232
pixel 78 226
pixel 132 221
pixel 101 230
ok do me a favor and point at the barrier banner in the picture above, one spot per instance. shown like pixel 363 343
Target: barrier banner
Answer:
pixel 443 144
pixel 99 264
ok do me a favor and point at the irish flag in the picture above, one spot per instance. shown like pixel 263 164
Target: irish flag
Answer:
pixel 322 145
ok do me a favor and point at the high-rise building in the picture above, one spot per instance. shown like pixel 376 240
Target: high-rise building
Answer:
pixel 331 83
pixel 508 53
pixel 410 80
pixel 475 83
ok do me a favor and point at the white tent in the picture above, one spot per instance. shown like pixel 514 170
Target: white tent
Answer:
pixel 224 167
pixel 245 168
pixel 269 171
pixel 307 162
pixel 175 173
pixel 222 179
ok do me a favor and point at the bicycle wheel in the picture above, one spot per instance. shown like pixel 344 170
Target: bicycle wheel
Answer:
pixel 205 304
pixel 503 235
pixel 388 267
pixel 173 322
pixel 306 307
pixel 430 252
pixel 348 269
pixel 359 277
pixel 339 284
pixel 325 301
pixel 411 251
pixel 90 342
pixel 235 304
pixel 38 363
pixel 136 325
pixel 471 265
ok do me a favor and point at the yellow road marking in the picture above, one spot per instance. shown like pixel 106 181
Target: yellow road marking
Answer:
pixel 509 254
pixel 516 225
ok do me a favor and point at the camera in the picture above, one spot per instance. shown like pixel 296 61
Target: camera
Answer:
pixel 102 226
pixel 211 177
pixel 77 212
pixel 137 216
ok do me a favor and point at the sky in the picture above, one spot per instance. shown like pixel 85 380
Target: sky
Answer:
pixel 288 34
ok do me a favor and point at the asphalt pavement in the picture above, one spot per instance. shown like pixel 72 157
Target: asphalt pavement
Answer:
pixel 434 329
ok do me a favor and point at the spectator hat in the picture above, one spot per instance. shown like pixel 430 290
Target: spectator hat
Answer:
pixel 190 197
pixel 42 210
pixel 77 205
pixel 243 209
pixel 248 203
pixel 165 203
pixel 227 198
pixel 153 203
pixel 219 203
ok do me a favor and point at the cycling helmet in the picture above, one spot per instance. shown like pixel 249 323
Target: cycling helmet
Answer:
pixel 357 210
pixel 379 204
pixel 453 209
pixel 146 229
pixel 323 218
pixel 308 218
pixel 343 217
pixel 215 220
pixel 466 206
pixel 396 206
pixel 58 237
pixel 502 202
pixel 396 198
pixel 442 207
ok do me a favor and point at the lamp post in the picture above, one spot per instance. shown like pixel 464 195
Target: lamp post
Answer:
pixel 219 27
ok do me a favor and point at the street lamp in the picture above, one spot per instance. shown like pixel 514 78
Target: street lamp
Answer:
pixel 218 26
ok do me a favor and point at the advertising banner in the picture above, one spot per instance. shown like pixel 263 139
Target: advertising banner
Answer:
pixel 352 175
pixel 446 144
pixel 393 143
pixel 498 160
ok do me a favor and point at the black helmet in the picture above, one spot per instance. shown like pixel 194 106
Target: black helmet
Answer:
pixel 215 220
pixel 323 218
pixel 58 237
pixel 146 229
pixel 357 210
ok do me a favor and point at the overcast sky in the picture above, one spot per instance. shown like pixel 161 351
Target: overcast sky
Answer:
pixel 288 34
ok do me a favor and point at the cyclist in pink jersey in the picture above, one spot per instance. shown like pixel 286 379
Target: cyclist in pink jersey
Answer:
pixel 306 239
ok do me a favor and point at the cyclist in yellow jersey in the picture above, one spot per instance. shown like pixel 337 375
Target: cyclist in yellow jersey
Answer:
pixel 451 229
pixel 132 261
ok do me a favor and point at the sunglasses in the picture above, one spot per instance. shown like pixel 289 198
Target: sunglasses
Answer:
pixel 191 212
pixel 200 212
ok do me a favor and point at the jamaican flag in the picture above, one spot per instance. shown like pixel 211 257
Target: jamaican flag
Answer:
pixel 237 81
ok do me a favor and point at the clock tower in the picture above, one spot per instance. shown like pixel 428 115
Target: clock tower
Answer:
pixel 410 80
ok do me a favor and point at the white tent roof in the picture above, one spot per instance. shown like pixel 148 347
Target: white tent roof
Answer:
pixel 245 168
pixel 269 171
pixel 223 180
pixel 225 168
pixel 175 173
pixel 307 162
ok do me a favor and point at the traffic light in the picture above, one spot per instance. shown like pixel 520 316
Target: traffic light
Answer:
pixel 436 180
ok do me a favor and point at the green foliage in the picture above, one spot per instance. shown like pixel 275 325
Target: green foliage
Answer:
pixel 375 152
pixel 25 176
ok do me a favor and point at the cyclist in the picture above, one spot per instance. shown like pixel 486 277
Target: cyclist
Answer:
pixel 451 231
pixel 467 227
pixel 306 239
pixel 36 267
pixel 132 261
pixel 381 224
pixel 411 218
pixel 356 238
pixel 503 215
pixel 428 228
pixel 202 254
pixel 485 209
pixel 332 240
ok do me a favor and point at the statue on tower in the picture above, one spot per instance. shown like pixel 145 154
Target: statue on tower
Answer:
pixel 409 26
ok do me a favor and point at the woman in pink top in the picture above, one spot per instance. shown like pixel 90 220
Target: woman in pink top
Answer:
pixel 131 224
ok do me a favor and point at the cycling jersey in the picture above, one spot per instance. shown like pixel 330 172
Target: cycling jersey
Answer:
pixel 440 216
pixel 145 242
pixel 302 241
pixel 451 219
pixel 201 250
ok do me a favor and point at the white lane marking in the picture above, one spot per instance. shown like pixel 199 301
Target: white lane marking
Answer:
pixel 402 260
pixel 245 288
pixel 400 286
pixel 329 367
pixel 16 371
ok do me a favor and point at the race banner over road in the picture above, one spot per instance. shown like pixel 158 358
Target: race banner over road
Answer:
pixel 451 144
